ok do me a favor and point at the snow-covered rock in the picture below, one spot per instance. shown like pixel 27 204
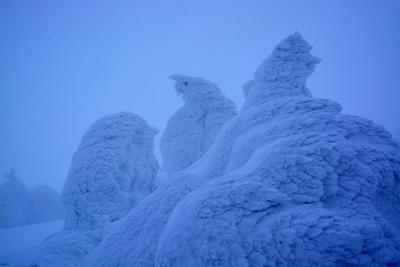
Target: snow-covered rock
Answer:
pixel 46 204
pixel 193 128
pixel 290 181
pixel 15 202
pixel 111 172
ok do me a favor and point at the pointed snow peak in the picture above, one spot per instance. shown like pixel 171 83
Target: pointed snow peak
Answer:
pixel 290 62
pixel 283 73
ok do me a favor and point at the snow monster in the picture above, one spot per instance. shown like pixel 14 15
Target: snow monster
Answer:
pixel 191 131
pixel 112 170
pixel 290 181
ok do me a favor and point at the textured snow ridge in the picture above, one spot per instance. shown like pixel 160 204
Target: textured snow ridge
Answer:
pixel 15 203
pixel 193 128
pixel 112 170
pixel 290 181
pixel 46 204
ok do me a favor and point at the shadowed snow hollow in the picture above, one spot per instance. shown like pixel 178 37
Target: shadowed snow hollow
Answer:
pixel 193 128
pixel 290 181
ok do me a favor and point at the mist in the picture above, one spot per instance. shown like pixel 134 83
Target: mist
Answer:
pixel 64 64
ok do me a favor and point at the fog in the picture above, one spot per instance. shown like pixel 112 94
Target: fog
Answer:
pixel 64 64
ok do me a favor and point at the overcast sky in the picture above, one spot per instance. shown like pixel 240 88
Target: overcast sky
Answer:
pixel 64 64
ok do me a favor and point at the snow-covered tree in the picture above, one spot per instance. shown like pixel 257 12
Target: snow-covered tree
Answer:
pixel 15 202
pixel 46 204
pixel 112 170
pixel 193 128
pixel 290 181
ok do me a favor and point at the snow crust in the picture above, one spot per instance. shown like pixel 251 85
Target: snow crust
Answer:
pixel 193 128
pixel 290 181
pixel 111 172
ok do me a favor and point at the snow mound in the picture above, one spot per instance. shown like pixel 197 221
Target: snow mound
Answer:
pixel 112 170
pixel 193 128
pixel 47 204
pixel 15 202
pixel 290 181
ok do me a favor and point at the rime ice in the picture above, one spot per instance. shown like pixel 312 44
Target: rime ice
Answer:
pixel 290 181
pixel 193 128
pixel 112 171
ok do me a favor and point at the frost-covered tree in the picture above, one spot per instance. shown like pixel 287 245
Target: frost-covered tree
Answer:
pixel 290 181
pixel 15 202
pixel 46 204
pixel 112 170
pixel 193 128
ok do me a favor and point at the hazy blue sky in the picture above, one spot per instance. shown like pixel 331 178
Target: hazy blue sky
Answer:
pixel 64 64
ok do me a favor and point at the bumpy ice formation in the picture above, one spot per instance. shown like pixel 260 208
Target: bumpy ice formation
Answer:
pixel 112 170
pixel 193 128
pixel 290 181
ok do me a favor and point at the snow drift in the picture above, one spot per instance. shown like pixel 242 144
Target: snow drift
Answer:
pixel 193 128
pixel 290 181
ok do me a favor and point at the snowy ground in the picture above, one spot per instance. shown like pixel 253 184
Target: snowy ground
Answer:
pixel 17 238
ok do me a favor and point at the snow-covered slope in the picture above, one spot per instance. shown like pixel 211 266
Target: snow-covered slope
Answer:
pixel 193 128
pixel 290 181
pixel 16 207
pixel 112 171
pixel 46 204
